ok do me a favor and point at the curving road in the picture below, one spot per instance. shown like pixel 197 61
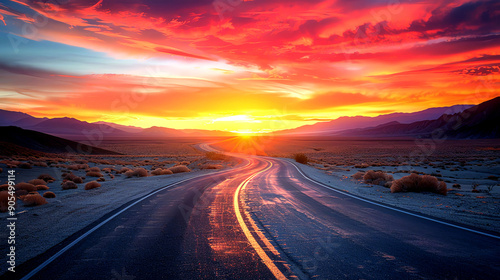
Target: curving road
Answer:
pixel 266 220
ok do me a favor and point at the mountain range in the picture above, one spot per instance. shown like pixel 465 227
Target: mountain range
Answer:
pixel 459 121
pixel 346 123
pixel 74 129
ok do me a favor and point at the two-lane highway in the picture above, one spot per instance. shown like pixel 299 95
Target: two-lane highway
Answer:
pixel 266 220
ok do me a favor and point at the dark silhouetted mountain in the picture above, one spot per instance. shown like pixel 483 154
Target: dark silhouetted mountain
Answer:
pixel 480 121
pixel 93 133
pixel 46 143
pixel 346 123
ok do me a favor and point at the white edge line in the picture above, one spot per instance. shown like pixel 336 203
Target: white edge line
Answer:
pixel 391 208
pixel 59 253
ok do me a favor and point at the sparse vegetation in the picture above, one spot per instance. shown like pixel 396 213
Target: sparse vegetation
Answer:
pixel 358 175
pixel 92 185
pixel 25 186
pixel 301 158
pixel 137 172
pixel 94 174
pixel 49 195
pixel 377 178
pixel 41 187
pixel 68 185
pixel 25 165
pixel 46 177
pixel 37 182
pixel 215 156
pixel 419 183
pixel 33 199
pixel 179 169
pixel 161 171
pixel 211 166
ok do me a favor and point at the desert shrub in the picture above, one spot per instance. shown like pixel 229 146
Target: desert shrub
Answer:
pixel 211 166
pixel 95 169
pixel 123 170
pixel 49 195
pixel 111 176
pixel 457 186
pixel 161 171
pixel 37 182
pixel 137 172
pixel 377 178
pixel 94 174
pixel 72 167
pixel 358 175
pixel 25 186
pixel 68 185
pixel 25 165
pixel 301 158
pixel 362 165
pixel 40 164
pixel 92 185
pixel 4 201
pixel 4 187
pixel 73 177
pixel 179 169
pixel 101 179
pixel 33 199
pixel 41 187
pixel 215 156
pixel 46 177
pixel 419 183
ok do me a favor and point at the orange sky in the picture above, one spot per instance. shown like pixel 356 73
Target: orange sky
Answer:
pixel 245 65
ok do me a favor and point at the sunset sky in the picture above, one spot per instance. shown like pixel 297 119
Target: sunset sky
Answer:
pixel 244 65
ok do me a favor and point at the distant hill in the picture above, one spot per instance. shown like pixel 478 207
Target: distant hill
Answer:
pixel 38 141
pixel 480 121
pixel 77 130
pixel 346 123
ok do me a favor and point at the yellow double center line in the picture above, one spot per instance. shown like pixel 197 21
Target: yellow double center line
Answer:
pixel 262 254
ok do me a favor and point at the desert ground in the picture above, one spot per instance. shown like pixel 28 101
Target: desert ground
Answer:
pixel 470 169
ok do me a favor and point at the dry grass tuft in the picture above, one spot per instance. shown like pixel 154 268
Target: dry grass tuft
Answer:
pixel 46 177
pixel 179 169
pixel 161 171
pixel 123 170
pixel 137 172
pixel 94 174
pixel 25 186
pixel 215 156
pixel 33 199
pixel 41 187
pixel 40 164
pixel 37 182
pixel 301 158
pixel 68 185
pixel 419 183
pixel 73 177
pixel 4 201
pixel 92 185
pixel 377 178
pixel 25 165
pixel 49 195
pixel 95 169
pixel 358 175
pixel 211 166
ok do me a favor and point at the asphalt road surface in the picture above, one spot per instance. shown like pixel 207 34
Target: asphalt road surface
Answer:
pixel 265 220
